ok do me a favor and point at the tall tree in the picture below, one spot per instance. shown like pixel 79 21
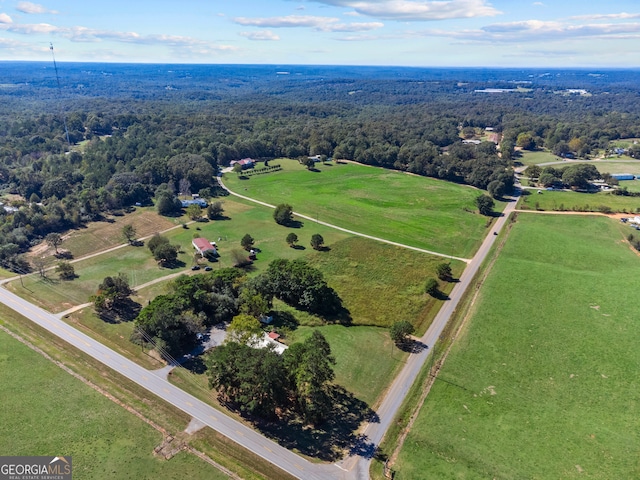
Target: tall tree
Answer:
pixel 244 329
pixel 485 205
pixel 54 240
pixel 313 373
pixel 399 331
pixel 247 242
pixel 283 214
pixel 292 239
pixel 129 233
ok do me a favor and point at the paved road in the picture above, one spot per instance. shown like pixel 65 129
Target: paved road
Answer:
pixel 353 467
pixel 207 415
pixel 390 405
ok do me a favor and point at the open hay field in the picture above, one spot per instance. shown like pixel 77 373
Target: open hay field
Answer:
pixel 418 211
pixel 46 411
pixel 381 284
pixel 578 201
pixel 543 380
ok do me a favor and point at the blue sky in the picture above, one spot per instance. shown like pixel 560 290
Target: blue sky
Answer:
pixel 548 33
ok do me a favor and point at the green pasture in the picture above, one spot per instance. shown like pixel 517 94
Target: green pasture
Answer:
pixel 578 201
pixel 624 142
pixel 527 157
pixel 381 284
pixel 418 211
pixel 543 381
pixel 140 267
pixel 630 185
pixel 618 165
pixel 48 412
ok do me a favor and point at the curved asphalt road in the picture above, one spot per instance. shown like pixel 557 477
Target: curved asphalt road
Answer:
pixel 258 444
pixel 353 467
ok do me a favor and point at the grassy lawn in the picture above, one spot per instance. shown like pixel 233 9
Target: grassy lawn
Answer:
pixel 366 376
pixel 135 262
pixel 139 266
pixel 46 411
pixel 419 211
pixel 544 379
pixel 113 335
pixel 578 201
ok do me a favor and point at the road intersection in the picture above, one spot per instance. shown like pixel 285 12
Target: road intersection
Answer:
pixel 355 466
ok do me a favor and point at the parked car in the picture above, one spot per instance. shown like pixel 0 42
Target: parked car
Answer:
pixel 207 268
pixel 195 267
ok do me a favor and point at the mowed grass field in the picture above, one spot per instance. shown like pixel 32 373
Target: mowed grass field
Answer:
pixel 46 411
pixel 545 377
pixel 578 201
pixel 417 211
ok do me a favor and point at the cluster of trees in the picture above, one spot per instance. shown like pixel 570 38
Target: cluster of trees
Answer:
pixel 262 382
pixel 171 322
pixel 574 176
pixel 300 285
pixel 162 250
pixel 166 144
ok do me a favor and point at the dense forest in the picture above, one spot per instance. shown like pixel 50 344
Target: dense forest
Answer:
pixel 112 136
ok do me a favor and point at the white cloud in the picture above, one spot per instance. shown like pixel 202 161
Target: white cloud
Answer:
pixel 4 18
pixel 418 11
pixel 609 16
pixel 285 22
pixel 322 24
pixel 538 4
pixel 88 35
pixel 352 27
pixel 262 35
pixel 537 30
pixel 31 8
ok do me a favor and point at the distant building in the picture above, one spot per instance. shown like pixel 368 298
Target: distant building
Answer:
pixel 245 163
pixel 195 201
pixel 472 142
pixel 203 245
pixel 623 176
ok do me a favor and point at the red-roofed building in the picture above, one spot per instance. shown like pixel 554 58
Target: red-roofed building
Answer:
pixel 245 163
pixel 202 245
pixel 274 336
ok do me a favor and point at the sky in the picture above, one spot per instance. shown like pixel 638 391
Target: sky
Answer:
pixel 429 33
